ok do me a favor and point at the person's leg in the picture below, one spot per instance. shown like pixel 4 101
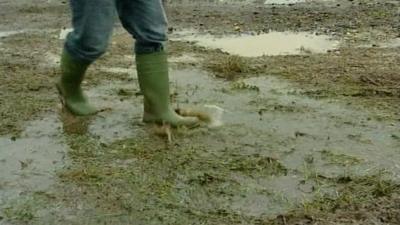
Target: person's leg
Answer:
pixel 92 21
pixel 146 21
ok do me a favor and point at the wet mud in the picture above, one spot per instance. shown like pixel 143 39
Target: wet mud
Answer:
pixel 258 164
pixel 289 2
pixel 29 161
pixel 294 140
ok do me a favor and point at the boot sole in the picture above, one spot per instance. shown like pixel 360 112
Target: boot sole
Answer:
pixel 158 123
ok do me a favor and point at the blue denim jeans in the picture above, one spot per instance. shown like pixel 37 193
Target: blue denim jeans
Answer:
pixel 93 22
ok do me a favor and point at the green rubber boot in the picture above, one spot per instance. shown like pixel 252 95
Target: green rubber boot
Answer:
pixel 153 77
pixel 69 86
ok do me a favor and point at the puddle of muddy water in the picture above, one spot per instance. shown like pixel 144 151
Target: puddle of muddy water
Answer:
pixel 394 43
pixel 8 33
pixel 122 111
pixel 211 1
pixel 288 2
pixel 273 43
pixel 292 120
pixel 28 163
pixel 266 2
pixel 295 120
pixel 391 43
pixel 4 34
pixel 282 2
pixel 292 128
pixel 271 123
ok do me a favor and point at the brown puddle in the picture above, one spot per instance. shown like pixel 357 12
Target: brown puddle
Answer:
pixel 273 43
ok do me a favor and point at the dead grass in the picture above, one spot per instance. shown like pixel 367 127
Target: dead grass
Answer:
pixel 350 72
pixel 228 66
pixel 362 200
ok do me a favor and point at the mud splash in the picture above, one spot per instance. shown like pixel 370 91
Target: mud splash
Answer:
pixel 64 32
pixel 273 43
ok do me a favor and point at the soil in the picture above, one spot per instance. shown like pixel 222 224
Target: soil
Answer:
pixel 300 138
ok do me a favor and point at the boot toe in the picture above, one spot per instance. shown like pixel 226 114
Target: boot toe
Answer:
pixel 172 119
pixel 81 109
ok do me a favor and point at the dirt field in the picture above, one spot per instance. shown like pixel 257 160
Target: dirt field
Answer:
pixel 307 136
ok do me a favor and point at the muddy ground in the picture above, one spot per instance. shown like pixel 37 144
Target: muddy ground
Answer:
pixel 304 138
